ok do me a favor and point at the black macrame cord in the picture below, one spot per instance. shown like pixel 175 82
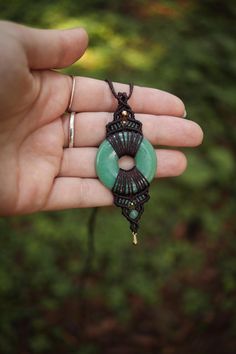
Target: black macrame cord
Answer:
pixel 124 133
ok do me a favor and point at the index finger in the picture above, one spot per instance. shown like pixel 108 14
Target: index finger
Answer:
pixel 92 95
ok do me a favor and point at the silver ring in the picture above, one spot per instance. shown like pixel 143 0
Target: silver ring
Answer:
pixel 72 94
pixel 71 129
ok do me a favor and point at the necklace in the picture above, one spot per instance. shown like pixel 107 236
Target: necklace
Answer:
pixel 124 136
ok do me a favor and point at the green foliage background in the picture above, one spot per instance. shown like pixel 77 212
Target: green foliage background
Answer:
pixel 175 293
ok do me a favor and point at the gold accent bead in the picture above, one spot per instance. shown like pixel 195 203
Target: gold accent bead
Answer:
pixel 131 205
pixel 124 113
pixel 135 240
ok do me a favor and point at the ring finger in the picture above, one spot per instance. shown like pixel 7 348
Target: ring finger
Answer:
pixel 80 162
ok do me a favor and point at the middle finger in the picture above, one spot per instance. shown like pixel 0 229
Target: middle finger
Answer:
pixel 90 129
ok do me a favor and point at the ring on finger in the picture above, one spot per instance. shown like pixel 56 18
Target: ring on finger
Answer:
pixel 72 94
pixel 71 129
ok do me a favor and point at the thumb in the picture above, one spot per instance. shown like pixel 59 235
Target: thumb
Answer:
pixel 51 49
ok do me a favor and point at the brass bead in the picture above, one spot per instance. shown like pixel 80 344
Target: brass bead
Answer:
pixel 131 205
pixel 135 240
pixel 124 113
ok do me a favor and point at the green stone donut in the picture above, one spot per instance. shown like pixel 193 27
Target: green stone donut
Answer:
pixel 107 166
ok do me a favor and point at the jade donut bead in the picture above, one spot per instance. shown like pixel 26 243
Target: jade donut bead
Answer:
pixel 107 166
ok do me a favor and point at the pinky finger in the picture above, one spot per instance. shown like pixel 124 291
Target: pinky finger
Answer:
pixel 75 192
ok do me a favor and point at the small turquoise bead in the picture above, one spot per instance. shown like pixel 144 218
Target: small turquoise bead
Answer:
pixel 107 166
pixel 133 214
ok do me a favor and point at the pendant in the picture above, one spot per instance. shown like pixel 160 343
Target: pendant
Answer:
pixel 124 136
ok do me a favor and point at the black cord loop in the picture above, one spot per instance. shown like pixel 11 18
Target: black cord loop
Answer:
pixel 122 97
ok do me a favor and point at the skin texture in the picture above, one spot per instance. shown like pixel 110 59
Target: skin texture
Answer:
pixel 37 170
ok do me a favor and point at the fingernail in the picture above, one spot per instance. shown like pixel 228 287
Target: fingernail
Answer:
pixel 185 114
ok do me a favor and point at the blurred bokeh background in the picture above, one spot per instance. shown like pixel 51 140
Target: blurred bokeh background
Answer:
pixel 175 292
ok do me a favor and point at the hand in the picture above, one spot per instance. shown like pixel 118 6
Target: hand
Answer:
pixel 37 170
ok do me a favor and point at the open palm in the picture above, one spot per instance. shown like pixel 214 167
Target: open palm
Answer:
pixel 37 169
